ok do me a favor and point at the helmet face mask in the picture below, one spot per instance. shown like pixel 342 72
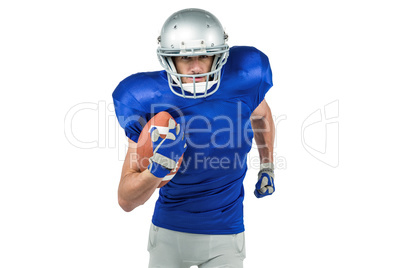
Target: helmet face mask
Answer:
pixel 191 33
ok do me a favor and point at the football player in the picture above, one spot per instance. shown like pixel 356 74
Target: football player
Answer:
pixel 217 96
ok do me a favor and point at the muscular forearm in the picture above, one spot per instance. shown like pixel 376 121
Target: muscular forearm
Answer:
pixel 136 188
pixel 264 141
pixel 264 135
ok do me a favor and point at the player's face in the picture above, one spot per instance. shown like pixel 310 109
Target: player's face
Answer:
pixel 193 65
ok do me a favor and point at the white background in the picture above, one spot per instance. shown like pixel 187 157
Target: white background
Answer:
pixel 61 60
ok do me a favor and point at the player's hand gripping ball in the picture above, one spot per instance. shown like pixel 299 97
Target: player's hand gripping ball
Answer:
pixel 161 146
pixel 265 185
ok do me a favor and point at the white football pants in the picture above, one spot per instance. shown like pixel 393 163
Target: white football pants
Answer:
pixel 171 249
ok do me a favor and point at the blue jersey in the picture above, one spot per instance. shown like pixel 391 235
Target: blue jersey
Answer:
pixel 206 195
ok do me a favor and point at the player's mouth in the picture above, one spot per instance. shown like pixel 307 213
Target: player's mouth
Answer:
pixel 196 79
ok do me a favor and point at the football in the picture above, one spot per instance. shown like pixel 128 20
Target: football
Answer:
pixel 144 144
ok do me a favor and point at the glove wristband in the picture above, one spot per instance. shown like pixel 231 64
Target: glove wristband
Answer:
pixel 157 170
pixel 267 166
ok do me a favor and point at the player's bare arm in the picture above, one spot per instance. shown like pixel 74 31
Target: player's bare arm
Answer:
pixel 264 131
pixel 135 187
pixel 264 134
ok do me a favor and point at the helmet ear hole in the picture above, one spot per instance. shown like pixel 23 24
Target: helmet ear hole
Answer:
pixel 192 32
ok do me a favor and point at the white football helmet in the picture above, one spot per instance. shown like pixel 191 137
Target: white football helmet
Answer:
pixel 193 32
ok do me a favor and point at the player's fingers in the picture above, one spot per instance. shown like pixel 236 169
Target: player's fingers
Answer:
pixel 270 189
pixel 177 129
pixel 264 181
pixel 172 123
pixel 155 134
pixel 180 132
pixel 170 136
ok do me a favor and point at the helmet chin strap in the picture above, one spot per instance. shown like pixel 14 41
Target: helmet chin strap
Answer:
pixel 199 87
